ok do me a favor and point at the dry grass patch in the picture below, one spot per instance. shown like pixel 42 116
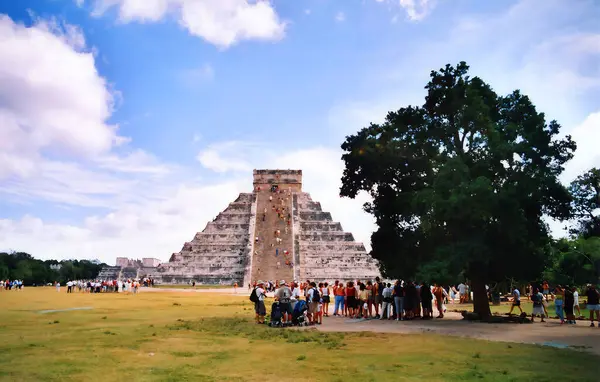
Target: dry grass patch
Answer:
pixel 211 337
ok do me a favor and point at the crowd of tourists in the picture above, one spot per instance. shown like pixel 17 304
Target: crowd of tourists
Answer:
pixel 398 301
pixel 566 302
pixel 11 284
pixel 105 286
pixel 367 300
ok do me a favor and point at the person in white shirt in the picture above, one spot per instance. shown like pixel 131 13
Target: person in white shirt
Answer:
pixel 387 302
pixel 69 286
pixel 259 306
pixel 576 302
pixel 57 286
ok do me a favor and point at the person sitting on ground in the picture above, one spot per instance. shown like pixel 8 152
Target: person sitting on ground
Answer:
pixel 259 306
pixel 283 295
pixel 539 309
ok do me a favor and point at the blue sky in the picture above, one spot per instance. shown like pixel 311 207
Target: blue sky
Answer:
pixel 125 125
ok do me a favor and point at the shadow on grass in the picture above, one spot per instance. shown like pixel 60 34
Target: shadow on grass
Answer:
pixel 245 328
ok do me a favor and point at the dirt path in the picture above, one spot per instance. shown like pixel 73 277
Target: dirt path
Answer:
pixel 551 333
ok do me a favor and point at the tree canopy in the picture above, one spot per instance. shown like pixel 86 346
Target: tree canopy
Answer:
pixel 460 184
pixel 586 203
pixel 23 266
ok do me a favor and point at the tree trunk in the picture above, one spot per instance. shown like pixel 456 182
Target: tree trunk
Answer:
pixel 481 304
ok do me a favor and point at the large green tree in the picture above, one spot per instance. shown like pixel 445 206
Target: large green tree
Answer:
pixel 586 203
pixel 460 184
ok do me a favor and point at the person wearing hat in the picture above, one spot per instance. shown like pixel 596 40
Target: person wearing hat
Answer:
pixel 259 306
pixel 283 295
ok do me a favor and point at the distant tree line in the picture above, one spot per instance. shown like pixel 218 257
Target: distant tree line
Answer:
pixel 23 266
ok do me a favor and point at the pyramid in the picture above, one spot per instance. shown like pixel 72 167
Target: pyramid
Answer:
pixel 275 232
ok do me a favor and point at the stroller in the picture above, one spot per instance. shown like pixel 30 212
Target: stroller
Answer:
pixel 299 314
pixel 275 315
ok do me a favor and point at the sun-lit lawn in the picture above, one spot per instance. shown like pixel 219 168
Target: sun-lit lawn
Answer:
pixel 210 337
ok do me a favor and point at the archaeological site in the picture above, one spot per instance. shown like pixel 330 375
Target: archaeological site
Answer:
pixel 275 232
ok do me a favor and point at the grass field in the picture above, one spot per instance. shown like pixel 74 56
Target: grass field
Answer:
pixel 210 337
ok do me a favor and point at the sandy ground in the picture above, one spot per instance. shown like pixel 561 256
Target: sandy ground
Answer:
pixel 550 333
pixel 579 336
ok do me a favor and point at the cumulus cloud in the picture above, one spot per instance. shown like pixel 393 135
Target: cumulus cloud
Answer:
pixel 52 98
pixel 222 23
pixel 416 10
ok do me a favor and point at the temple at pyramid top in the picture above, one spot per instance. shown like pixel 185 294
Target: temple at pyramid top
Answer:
pixel 274 232
pixel 279 178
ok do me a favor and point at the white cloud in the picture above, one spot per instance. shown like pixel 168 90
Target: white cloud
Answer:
pixel 227 156
pixel 307 11
pixel 202 74
pixel 322 172
pixel 340 17
pixel 157 227
pixel 587 137
pixel 79 3
pixel 416 10
pixel 222 23
pixel 52 99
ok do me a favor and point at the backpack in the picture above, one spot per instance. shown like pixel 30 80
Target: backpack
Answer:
pixel 254 296
pixel 287 293
pixel 316 297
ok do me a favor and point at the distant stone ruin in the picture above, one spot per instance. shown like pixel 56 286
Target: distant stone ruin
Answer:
pixel 126 268
pixel 276 232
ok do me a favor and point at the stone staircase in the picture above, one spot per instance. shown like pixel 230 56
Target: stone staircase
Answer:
pixel 227 251
pixel 323 250
pixel 217 255
pixel 270 260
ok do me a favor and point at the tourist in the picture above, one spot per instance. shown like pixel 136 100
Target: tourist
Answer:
pixel 295 295
pixel 559 296
pixel 284 295
pixel 386 302
pixel 351 302
pixel 69 286
pixel 326 299
pixel 259 305
pixel 593 303
pixel 398 293
pixel 363 295
pixel 568 305
pixel 371 297
pixel 576 302
pixel 516 301
pixel 426 301
pixel 546 290
pixel 339 295
pixel 438 294
pixel 57 284
pixel 312 299
pixel 378 295
pixel 539 308
pixel 462 293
